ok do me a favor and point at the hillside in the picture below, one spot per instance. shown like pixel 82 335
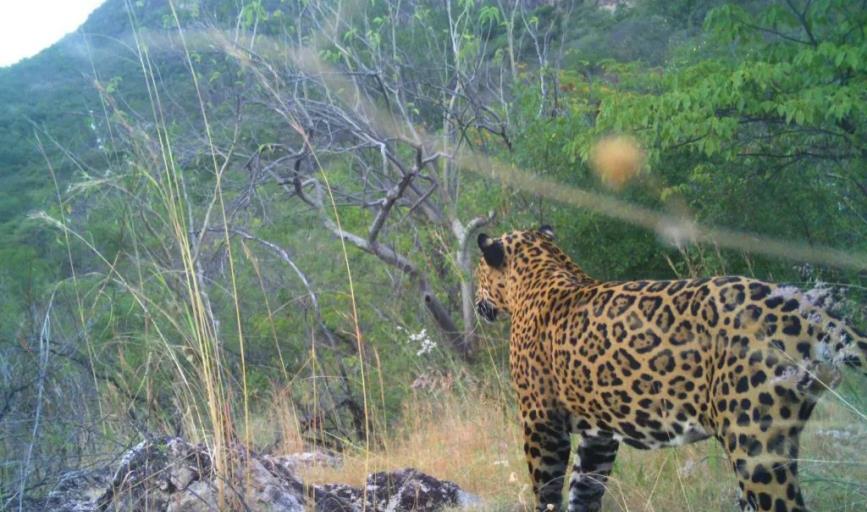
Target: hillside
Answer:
pixel 54 121
pixel 256 220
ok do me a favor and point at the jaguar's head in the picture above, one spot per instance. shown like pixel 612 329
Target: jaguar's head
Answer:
pixel 493 273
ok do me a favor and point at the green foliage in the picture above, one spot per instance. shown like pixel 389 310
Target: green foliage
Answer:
pixel 773 126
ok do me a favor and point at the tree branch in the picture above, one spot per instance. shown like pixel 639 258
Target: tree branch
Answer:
pixel 388 201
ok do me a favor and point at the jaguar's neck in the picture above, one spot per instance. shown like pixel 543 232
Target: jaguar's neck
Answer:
pixel 537 288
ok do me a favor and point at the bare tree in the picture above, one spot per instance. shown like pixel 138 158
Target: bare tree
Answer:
pixel 369 110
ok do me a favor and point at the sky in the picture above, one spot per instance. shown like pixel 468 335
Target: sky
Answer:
pixel 29 26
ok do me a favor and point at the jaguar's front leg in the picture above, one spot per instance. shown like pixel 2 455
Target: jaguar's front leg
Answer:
pixel 546 446
pixel 594 459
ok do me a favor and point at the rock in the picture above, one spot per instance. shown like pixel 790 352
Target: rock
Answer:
pixel 78 491
pixel 403 490
pixel 171 475
pixel 310 459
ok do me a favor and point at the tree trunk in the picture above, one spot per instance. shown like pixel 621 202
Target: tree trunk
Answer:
pixel 468 313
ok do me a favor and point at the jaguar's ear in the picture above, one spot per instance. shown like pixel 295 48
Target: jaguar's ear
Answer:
pixel 547 231
pixel 492 251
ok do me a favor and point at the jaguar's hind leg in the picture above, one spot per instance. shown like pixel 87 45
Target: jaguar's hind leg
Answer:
pixel 594 459
pixel 765 464
pixel 546 446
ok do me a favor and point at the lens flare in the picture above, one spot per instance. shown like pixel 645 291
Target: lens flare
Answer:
pixel 616 160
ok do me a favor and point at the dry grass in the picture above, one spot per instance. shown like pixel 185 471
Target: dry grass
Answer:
pixel 277 427
pixel 477 444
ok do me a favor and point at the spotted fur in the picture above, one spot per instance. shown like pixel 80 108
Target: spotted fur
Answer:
pixel 658 363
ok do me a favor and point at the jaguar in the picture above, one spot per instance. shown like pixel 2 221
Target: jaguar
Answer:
pixel 654 364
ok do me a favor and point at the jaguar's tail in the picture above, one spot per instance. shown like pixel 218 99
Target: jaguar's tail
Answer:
pixel 836 339
pixel 852 349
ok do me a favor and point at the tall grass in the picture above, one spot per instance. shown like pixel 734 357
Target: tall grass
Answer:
pixel 180 332
pixel 180 328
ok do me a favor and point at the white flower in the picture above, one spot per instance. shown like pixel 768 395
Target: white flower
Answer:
pixel 427 344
